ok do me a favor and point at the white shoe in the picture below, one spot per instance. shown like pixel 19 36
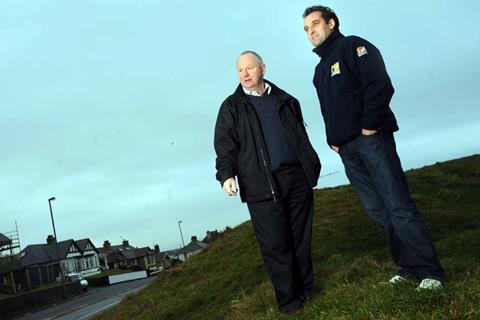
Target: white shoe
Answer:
pixel 429 284
pixel 397 279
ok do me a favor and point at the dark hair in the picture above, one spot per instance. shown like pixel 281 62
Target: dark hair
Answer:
pixel 326 12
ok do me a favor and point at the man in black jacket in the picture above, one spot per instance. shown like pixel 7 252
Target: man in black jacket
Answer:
pixel 355 90
pixel 261 140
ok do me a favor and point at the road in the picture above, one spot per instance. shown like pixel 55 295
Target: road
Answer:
pixel 88 304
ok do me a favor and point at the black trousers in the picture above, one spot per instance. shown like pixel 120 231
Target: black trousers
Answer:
pixel 284 232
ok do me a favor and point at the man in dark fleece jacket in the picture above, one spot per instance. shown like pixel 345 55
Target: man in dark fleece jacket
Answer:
pixel 260 139
pixel 355 90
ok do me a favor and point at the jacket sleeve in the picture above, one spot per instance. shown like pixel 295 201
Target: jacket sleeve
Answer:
pixel 297 110
pixel 366 63
pixel 226 147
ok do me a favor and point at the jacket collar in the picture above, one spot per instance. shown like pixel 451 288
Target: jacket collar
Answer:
pixel 326 47
pixel 278 93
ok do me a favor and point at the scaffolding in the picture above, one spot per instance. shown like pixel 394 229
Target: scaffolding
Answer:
pixel 13 247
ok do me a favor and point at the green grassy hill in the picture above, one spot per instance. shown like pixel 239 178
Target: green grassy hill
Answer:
pixel 351 259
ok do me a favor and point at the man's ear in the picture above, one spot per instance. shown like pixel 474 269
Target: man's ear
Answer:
pixel 264 69
pixel 332 24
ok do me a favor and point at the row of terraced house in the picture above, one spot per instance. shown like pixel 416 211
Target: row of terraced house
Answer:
pixel 38 264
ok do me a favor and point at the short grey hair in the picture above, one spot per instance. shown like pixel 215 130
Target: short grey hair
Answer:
pixel 256 55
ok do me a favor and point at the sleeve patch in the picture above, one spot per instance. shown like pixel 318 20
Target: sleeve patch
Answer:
pixel 361 51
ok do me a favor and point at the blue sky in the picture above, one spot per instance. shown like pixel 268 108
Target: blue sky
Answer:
pixel 110 105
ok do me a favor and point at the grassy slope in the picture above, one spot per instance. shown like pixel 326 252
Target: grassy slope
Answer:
pixel 228 281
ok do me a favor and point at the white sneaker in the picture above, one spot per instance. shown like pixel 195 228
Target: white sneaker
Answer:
pixel 429 284
pixel 397 279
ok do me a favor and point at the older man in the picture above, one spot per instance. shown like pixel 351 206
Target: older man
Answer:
pixel 355 90
pixel 260 139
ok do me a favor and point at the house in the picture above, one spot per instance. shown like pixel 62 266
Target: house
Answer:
pixel 40 264
pixel 4 241
pixel 79 256
pixel 126 256
pixel 89 264
pixel 8 264
pixel 189 250
pixel 194 247
pixel 5 245
pixel 177 254
pixel 163 259
pixel 212 236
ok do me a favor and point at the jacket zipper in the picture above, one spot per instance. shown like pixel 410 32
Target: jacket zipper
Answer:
pixel 264 161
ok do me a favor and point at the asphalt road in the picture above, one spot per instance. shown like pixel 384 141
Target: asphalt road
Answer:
pixel 88 304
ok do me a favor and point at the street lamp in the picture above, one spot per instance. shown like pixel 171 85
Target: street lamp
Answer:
pixel 183 242
pixel 56 245
pixel 181 234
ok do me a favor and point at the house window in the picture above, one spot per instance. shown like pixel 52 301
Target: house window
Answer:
pixel 90 262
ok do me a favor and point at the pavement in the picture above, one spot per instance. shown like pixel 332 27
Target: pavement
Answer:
pixel 88 304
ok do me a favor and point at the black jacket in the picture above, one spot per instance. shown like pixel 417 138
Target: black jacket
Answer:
pixel 241 150
pixel 353 87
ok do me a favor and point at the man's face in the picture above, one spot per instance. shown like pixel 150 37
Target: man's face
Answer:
pixel 250 72
pixel 316 28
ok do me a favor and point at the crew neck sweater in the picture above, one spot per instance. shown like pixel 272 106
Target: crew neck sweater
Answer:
pixel 280 151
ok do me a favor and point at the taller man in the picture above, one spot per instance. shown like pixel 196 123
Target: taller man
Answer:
pixel 260 138
pixel 354 90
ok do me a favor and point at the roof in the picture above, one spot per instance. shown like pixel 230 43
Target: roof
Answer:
pixel 82 244
pixel 34 254
pixel 46 253
pixel 128 253
pixel 174 252
pixel 4 240
pixel 212 236
pixel 161 256
pixel 112 249
pixel 194 246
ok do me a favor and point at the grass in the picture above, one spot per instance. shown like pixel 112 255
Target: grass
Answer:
pixel 351 260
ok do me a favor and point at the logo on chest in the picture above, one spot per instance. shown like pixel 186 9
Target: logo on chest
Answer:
pixel 335 69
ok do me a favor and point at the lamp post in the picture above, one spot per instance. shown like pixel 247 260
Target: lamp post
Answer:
pixel 183 242
pixel 56 245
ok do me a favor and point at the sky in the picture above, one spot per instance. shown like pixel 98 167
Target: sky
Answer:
pixel 110 106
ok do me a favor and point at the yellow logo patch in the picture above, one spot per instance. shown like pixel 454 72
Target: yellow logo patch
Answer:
pixel 361 51
pixel 335 69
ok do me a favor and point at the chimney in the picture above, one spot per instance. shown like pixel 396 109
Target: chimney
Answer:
pixel 125 243
pixel 157 248
pixel 51 239
pixel 194 238
pixel 106 244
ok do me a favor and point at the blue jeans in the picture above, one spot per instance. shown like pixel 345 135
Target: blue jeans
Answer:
pixel 374 170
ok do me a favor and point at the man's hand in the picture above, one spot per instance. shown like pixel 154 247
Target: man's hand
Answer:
pixel 335 148
pixel 230 187
pixel 366 132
